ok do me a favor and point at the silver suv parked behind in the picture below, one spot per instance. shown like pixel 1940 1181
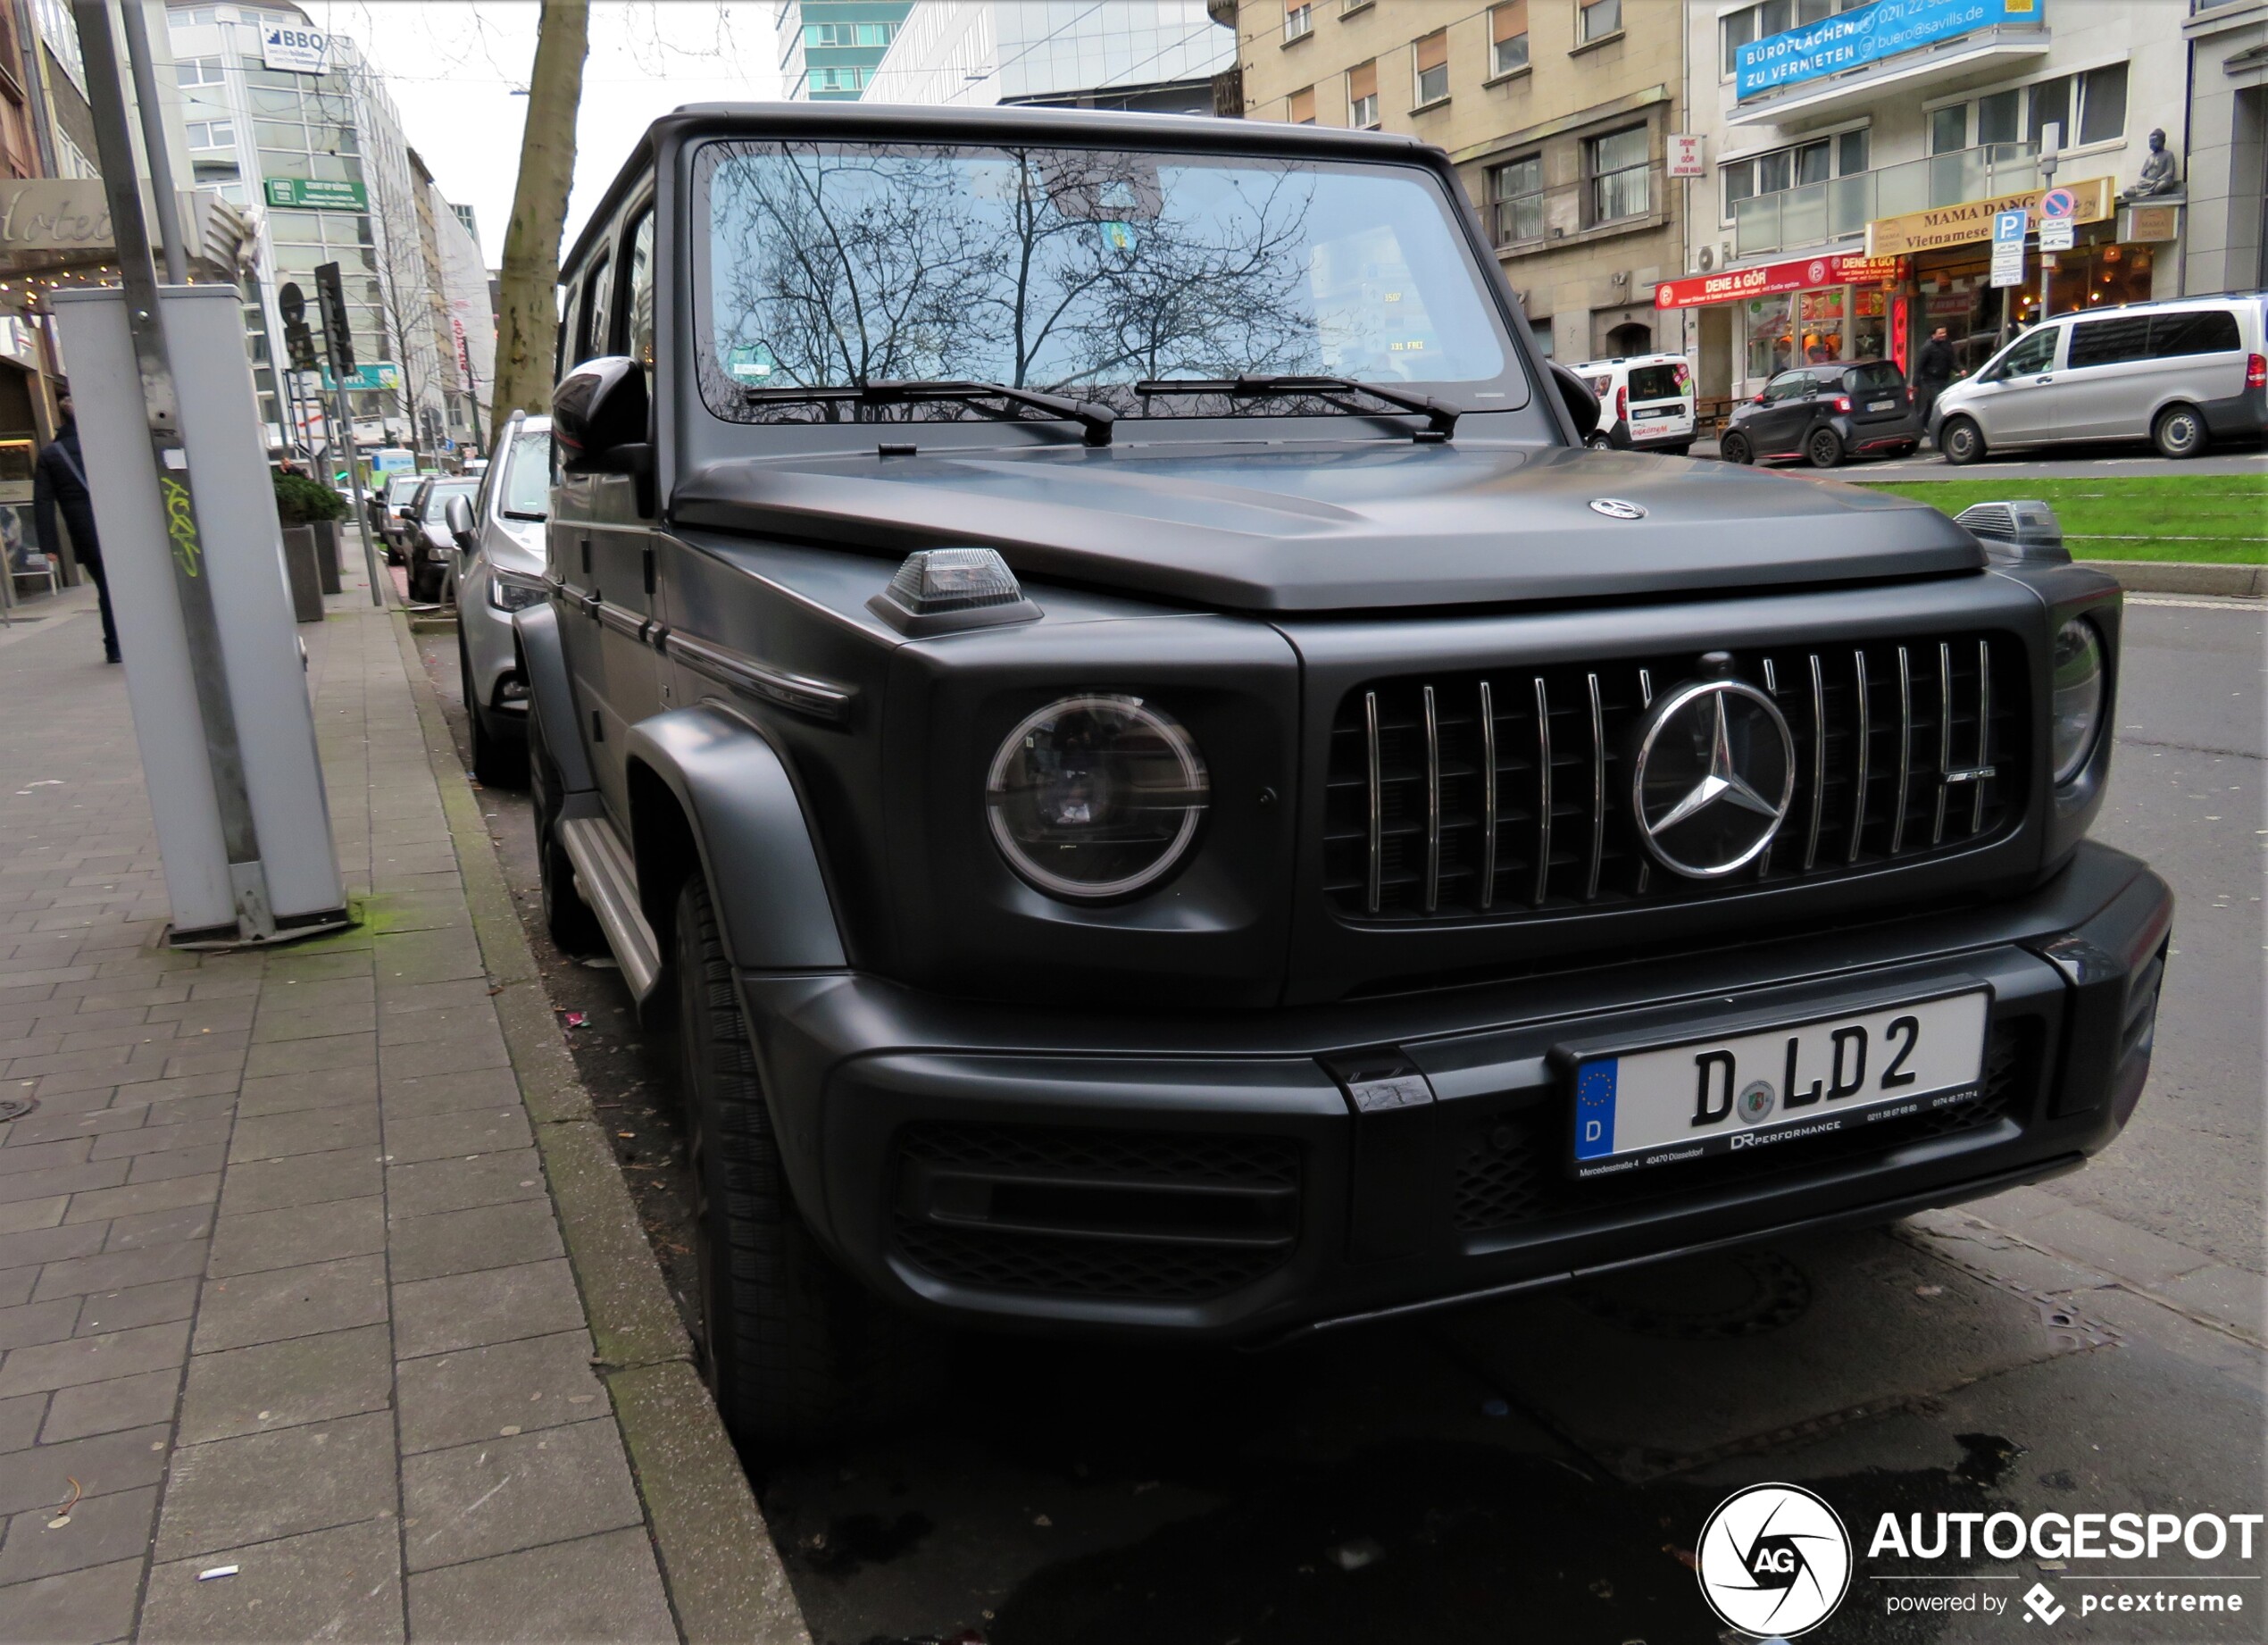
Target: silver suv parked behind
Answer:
pixel 499 536
pixel 2180 375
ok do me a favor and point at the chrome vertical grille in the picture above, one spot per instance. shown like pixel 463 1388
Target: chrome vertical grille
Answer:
pixel 1502 793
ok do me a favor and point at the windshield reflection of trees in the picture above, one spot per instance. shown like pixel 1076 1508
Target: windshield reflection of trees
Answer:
pixel 1067 271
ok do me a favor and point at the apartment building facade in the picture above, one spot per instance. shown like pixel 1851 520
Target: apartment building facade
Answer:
pixel 828 49
pixel 1559 115
pixel 1855 155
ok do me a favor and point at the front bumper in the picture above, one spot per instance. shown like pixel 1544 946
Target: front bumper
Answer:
pixel 1211 1176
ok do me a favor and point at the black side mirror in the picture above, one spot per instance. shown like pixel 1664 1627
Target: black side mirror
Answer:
pixel 458 513
pixel 598 415
pixel 1576 395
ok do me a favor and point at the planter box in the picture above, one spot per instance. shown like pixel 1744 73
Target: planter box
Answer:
pixel 299 567
pixel 328 549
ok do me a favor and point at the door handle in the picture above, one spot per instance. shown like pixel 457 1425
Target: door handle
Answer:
pixel 2044 379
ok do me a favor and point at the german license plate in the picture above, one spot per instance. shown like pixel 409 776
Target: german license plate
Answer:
pixel 1663 1105
pixel 1880 405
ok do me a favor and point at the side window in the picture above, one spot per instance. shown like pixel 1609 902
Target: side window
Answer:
pixel 590 315
pixel 2109 340
pixel 2036 353
pixel 1788 386
pixel 638 304
pixel 2205 331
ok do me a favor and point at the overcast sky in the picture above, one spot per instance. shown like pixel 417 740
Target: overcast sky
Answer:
pixel 451 68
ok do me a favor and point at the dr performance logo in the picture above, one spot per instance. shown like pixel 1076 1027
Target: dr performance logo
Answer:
pixel 1774 1561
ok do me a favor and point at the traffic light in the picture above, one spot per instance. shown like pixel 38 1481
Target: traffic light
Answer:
pixel 299 342
pixel 332 299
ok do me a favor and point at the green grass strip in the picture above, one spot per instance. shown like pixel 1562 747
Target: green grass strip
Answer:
pixel 2215 519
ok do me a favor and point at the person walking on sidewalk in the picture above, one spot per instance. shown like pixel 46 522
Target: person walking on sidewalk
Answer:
pixel 59 481
pixel 1932 371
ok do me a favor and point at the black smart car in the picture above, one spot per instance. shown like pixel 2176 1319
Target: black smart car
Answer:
pixel 1089 675
pixel 1823 414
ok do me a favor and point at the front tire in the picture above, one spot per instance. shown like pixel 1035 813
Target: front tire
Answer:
pixel 2179 432
pixel 1598 442
pixel 567 918
pixel 1961 442
pixel 1824 448
pixel 793 1349
pixel 1735 448
pixel 497 763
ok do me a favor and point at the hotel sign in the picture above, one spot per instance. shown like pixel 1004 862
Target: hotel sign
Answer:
pixel 1971 220
pixel 1854 39
pixel 1769 279
pixel 53 214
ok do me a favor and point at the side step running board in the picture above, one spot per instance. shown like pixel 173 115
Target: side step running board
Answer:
pixel 608 882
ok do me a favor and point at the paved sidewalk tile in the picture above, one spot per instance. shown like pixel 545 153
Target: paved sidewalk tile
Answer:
pixel 604 1588
pixel 501 1495
pixel 282 1284
pixel 337 1584
pixel 267 1485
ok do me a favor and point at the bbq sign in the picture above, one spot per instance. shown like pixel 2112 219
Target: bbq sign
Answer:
pixel 295 51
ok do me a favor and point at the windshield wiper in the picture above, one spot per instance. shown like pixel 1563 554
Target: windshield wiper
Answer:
pixel 1440 419
pixel 1095 420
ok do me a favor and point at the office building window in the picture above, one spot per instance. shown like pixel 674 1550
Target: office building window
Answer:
pixel 212 134
pixel 1516 196
pixel 1999 117
pixel 1948 128
pixel 1362 95
pixel 2051 106
pixel 2102 104
pixel 1617 167
pixel 1432 67
pixel 198 72
pixel 1844 154
pixel 1540 330
pixel 1598 19
pixel 1303 107
pixel 1299 20
pixel 1508 37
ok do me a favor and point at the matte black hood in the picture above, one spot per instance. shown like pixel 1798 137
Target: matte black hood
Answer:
pixel 1314 529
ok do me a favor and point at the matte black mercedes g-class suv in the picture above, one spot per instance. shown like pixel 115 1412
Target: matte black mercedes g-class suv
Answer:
pixel 1089 675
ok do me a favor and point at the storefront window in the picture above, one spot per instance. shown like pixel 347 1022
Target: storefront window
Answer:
pixel 1770 340
pixel 1821 316
pixel 1869 323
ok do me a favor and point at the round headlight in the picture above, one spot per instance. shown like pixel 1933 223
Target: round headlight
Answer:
pixel 1096 797
pixel 2079 696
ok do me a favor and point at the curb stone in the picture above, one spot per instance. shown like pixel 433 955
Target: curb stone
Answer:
pixel 2244 582
pixel 725 1578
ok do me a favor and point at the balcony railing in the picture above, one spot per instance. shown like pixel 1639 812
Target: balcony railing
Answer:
pixel 1839 209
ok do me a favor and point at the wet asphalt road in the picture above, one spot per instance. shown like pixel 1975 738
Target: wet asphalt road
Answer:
pixel 1539 1470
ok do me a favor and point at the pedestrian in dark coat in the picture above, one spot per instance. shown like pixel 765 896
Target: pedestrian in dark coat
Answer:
pixel 1932 370
pixel 59 484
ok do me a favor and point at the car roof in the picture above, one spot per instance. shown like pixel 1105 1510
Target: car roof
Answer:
pixel 1663 359
pixel 907 122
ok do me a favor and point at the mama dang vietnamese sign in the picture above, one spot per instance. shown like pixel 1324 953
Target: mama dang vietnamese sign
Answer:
pixel 1853 39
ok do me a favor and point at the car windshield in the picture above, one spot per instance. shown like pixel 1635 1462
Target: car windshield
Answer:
pixel 437 501
pixel 1079 272
pixel 527 477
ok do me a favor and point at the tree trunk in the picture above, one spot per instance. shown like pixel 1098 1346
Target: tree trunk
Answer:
pixel 528 323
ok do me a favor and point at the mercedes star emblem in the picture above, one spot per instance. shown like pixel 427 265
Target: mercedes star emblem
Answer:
pixel 1715 776
pixel 1615 508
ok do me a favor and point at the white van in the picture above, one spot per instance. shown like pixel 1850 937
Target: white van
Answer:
pixel 1645 403
pixel 2180 375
